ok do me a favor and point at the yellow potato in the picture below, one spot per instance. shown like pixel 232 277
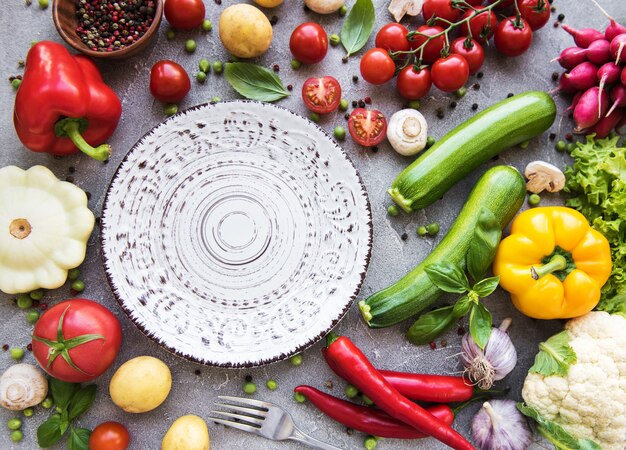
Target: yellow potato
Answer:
pixel 140 384
pixel 187 433
pixel 245 31
pixel 268 3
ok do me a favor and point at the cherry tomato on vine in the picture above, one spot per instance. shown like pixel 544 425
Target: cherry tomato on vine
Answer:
pixel 432 50
pixel 535 12
pixel 377 67
pixel 413 84
pixel 321 95
pixel 450 73
pixel 169 82
pixel 513 36
pixel 184 14
pixel 367 127
pixel 109 436
pixel 309 43
pixel 471 50
pixel 442 9
pixel 392 37
pixel 482 26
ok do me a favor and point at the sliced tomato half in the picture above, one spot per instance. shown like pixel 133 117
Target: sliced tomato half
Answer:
pixel 321 95
pixel 367 127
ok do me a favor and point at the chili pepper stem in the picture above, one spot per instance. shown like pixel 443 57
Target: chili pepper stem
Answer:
pixel 330 338
pixel 72 129
pixel 556 263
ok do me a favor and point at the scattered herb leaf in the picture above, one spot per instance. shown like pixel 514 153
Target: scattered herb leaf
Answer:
pixel 255 82
pixel 358 26
pixel 79 439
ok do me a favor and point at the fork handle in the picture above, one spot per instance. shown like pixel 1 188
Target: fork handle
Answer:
pixel 311 442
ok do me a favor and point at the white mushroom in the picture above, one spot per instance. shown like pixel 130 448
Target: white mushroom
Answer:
pixel 22 386
pixel 324 6
pixel 407 132
pixel 398 8
pixel 543 176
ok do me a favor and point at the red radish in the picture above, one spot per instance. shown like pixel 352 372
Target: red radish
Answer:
pixel 613 30
pixel 571 57
pixel 574 102
pixel 585 36
pixel 598 51
pixel 609 73
pixel 583 76
pixel 607 123
pixel 617 45
pixel 618 97
pixel 592 105
pixel 565 86
pixel 623 77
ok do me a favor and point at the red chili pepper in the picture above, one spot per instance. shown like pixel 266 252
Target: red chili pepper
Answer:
pixel 421 387
pixel 63 105
pixel 362 374
pixel 370 420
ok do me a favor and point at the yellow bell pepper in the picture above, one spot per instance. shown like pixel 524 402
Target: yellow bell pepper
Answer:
pixel 553 263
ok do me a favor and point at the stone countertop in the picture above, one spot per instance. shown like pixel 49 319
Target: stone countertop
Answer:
pixel 196 387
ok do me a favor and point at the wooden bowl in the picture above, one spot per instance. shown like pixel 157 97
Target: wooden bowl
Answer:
pixel 65 21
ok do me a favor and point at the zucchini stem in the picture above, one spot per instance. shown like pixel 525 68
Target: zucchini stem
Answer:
pixel 400 200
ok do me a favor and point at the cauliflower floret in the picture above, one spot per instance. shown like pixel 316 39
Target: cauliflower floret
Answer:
pixel 590 402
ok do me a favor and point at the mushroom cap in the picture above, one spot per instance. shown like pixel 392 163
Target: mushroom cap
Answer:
pixel 22 386
pixel 543 176
pixel 407 132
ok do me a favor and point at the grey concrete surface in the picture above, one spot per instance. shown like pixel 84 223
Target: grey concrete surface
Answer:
pixel 196 387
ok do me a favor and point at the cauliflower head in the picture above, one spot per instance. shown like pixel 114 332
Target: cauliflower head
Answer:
pixel 589 401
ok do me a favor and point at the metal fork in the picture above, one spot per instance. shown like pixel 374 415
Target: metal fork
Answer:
pixel 265 419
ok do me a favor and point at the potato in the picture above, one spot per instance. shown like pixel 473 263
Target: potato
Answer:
pixel 268 3
pixel 187 433
pixel 245 31
pixel 140 384
pixel 324 6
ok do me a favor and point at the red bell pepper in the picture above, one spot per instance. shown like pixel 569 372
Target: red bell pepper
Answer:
pixel 63 105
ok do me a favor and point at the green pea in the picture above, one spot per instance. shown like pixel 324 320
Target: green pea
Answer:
pixel 422 231
pixel 370 443
pixel 460 93
pixel 560 146
pixel 204 66
pixel 534 199
pixel 170 109
pixel 216 99
pixel 351 391
pixel 28 412
pixel 73 274
pixel 207 25
pixel 17 353
pixel 170 35
pixel 315 117
pixel 47 403
pixel 339 132
pixel 334 40
pixel 16 83
pixel 32 316
pixel 343 10
pixel 392 210
pixel 14 424
pixel 37 294
pixel 368 401
pixel 300 398
pixel 201 77
pixel 271 385
pixel 432 228
pixel 78 286
pixel 430 141
pixel 295 64
pixel 43 4
pixel 343 104
pixel 524 144
pixel 415 104
pixel 571 147
pixel 24 301
pixel 218 67
pixel 249 388
pixel 190 46
pixel 16 436
pixel 296 360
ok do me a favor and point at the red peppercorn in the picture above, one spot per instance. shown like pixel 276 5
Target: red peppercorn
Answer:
pixel 433 345
pixel 29 347
pixel 43 306
pixel 368 100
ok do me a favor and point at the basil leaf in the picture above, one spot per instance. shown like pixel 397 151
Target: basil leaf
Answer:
pixel 431 325
pixel 480 325
pixel 81 401
pixel 49 432
pixel 485 287
pixel 462 306
pixel 358 26
pixel 448 277
pixel 483 244
pixel 62 392
pixel 555 356
pixel 255 82
pixel 79 439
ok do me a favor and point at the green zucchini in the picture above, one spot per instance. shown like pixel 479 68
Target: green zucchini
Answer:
pixel 503 125
pixel 501 190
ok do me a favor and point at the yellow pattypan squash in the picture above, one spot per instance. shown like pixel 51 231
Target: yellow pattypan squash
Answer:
pixel 44 228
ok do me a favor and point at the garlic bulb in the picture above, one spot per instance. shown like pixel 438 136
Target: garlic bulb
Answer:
pixel 498 425
pixel 407 132
pixel 22 386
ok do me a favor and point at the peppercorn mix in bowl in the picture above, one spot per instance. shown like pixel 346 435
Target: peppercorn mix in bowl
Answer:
pixel 114 29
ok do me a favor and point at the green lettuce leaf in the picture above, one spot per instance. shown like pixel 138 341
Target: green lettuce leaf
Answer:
pixel 555 356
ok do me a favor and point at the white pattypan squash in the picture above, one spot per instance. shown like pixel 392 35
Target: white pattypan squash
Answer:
pixel 44 228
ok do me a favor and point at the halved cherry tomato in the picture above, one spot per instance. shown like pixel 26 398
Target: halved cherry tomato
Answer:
pixel 321 95
pixel 433 49
pixel 471 50
pixel 109 436
pixel 535 12
pixel 367 127
pixel 169 82
pixel 450 73
pixel 392 37
pixel 377 67
pixel 482 26
pixel 442 9
pixel 184 14
pixel 309 43
pixel 513 36
pixel 413 84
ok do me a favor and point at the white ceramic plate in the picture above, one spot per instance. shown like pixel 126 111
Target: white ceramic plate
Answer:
pixel 236 234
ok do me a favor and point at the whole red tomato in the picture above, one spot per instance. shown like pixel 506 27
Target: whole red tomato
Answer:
pixel 442 9
pixel 109 436
pixel 433 49
pixel 535 12
pixel 169 82
pixel 184 14
pixel 471 50
pixel 392 37
pixel 321 95
pixel 367 127
pixel 482 26
pixel 377 67
pixel 308 43
pixel 86 346
pixel 412 83
pixel 513 36
pixel 450 73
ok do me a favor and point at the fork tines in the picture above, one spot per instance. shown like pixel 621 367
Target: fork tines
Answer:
pixel 249 420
